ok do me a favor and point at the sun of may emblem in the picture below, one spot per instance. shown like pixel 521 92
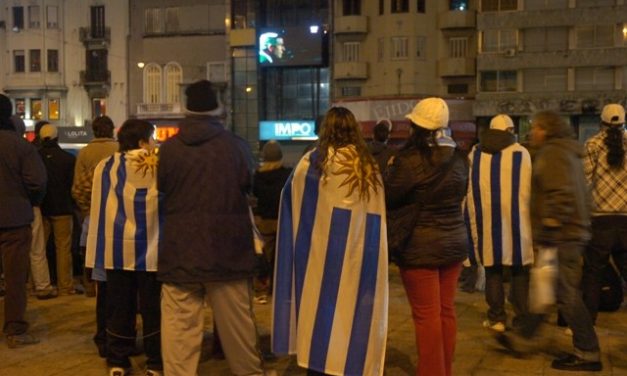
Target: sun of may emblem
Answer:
pixel 145 162
pixel 348 159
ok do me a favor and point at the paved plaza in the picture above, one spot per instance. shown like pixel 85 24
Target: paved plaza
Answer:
pixel 66 324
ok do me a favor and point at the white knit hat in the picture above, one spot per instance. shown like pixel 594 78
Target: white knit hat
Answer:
pixel 613 114
pixel 430 113
pixel 501 122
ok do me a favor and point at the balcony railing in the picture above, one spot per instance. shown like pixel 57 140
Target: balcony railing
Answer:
pixel 92 35
pixel 158 108
pixel 457 19
pixel 350 71
pixel 351 25
pixel 456 67
pixel 91 77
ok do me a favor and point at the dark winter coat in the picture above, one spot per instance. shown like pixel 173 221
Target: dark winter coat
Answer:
pixel 206 234
pixel 267 186
pixel 22 179
pixel 560 201
pixel 60 169
pixel 381 153
pixel 440 237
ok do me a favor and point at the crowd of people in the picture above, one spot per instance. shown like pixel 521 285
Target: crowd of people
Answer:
pixel 167 231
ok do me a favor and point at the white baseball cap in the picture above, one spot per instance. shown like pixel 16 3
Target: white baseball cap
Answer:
pixel 613 114
pixel 501 122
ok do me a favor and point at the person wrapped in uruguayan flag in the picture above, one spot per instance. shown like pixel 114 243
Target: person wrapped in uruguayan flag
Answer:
pixel 331 281
pixel 123 239
pixel 499 218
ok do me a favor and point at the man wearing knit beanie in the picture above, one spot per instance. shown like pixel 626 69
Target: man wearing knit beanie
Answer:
pixel 22 179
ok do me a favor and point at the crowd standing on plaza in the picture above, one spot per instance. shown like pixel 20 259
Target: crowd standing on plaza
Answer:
pixel 167 231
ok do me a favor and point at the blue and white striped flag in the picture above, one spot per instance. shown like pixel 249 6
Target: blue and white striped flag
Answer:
pixel 498 206
pixel 124 217
pixel 331 281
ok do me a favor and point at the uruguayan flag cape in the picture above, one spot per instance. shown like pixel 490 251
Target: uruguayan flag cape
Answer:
pixel 498 206
pixel 331 282
pixel 124 216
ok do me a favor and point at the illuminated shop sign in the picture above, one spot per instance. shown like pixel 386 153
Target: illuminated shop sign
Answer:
pixel 287 130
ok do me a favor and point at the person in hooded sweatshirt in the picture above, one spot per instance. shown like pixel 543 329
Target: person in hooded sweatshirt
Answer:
pixel 499 219
pixel 379 145
pixel 206 249
pixel 560 219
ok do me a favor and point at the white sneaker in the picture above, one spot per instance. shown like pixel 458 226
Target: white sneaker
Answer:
pixel 498 326
pixel 119 371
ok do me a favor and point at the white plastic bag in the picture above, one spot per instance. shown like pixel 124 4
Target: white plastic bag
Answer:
pixel 257 237
pixel 543 280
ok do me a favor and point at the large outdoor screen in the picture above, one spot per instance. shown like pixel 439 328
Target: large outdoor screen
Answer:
pixel 290 46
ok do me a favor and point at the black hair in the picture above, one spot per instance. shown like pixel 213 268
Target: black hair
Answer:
pixel 381 132
pixel 133 131
pixel 615 146
pixel 422 139
pixel 103 127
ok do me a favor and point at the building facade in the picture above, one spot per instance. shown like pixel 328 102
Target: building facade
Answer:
pixel 569 56
pixel 65 60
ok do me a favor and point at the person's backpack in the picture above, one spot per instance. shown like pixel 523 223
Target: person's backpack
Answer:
pixel 611 295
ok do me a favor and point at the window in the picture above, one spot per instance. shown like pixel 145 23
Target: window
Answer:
pixel 625 78
pixel 35 60
pixel 152 84
pixel 498 5
pixel 594 78
pixel 351 7
pixel 381 7
pixel 53 60
pixel 546 4
pixel 171 20
pixel 52 17
pixel 33 17
pixel 216 71
pixel 498 81
pixel 595 3
pixel 457 88
pixel 97 67
pixel 498 40
pixel 19 61
pixel 350 51
pixel 36 111
pixel 541 39
pixel 400 47
pixel 625 34
pixel 53 109
pixel 421 48
pixel 18 18
pixel 173 78
pixel 98 107
pixel 545 80
pixel 420 6
pixel 20 107
pixel 381 49
pixel 594 36
pixel 153 21
pixel 458 5
pixel 98 21
pixel 400 6
pixel 351 91
pixel 458 47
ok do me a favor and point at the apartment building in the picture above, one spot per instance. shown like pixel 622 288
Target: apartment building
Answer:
pixel 172 44
pixel 569 56
pixel 388 54
pixel 64 60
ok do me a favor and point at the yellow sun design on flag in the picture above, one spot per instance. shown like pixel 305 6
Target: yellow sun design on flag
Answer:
pixel 145 162
pixel 350 167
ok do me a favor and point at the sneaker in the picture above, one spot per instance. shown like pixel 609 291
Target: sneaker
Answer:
pixel 119 371
pixel 45 295
pixel 152 372
pixel 498 326
pixel 574 363
pixel 21 340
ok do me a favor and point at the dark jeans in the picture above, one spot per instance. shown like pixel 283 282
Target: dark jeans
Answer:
pixel 14 249
pixel 608 233
pixel 569 301
pixel 100 338
pixel 123 290
pixel 495 292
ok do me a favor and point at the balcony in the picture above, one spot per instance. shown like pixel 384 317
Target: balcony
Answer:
pixel 351 25
pixel 95 37
pixel 158 109
pixel 456 67
pixel 96 83
pixel 457 19
pixel 350 71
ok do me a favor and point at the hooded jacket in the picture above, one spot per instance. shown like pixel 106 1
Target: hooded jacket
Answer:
pixel 206 234
pixel 440 236
pixel 560 202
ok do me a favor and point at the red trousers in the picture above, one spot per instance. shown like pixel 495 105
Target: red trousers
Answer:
pixel 431 294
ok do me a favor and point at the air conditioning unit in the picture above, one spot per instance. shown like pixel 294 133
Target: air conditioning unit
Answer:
pixel 510 52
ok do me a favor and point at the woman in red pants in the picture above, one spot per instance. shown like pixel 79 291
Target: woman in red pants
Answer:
pixel 431 174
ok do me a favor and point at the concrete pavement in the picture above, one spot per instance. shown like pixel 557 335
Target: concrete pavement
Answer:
pixel 65 326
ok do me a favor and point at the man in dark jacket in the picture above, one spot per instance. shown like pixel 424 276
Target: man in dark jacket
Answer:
pixel 379 145
pixel 560 219
pixel 22 180
pixel 206 247
pixel 57 208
